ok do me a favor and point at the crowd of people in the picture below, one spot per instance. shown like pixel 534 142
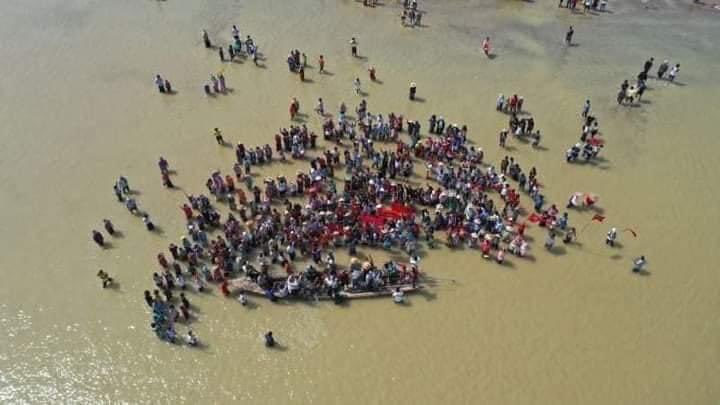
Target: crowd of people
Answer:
pixel 597 5
pixel 590 143
pixel 509 105
pixel 238 48
pixel 410 15
pixel 475 204
pixel 374 208
pixel 122 191
pixel 631 93
pixel 297 62
pixel 520 127
pixel 164 313
pixel 216 85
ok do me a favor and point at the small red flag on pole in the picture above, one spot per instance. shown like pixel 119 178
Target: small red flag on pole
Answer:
pixel 598 217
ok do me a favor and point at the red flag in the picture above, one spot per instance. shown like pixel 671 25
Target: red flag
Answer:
pixel 534 217
pixel 634 234
pixel 598 217
pixel 596 142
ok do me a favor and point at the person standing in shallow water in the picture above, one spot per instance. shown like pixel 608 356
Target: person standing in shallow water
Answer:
pixel 611 237
pixel 568 35
pixel 536 139
pixel 586 109
pixel 503 138
pixel 148 299
pixel 486 46
pixel 321 62
pixel 648 65
pixel 269 339
pixel 160 83
pixel 231 53
pixel 353 47
pixel 105 278
pixel 639 264
pixel 98 238
pixel 206 39
pixel 218 136
pixel 255 56
pixel 109 228
pixel 673 72
pixel 320 109
pixel 221 82
pixel 662 69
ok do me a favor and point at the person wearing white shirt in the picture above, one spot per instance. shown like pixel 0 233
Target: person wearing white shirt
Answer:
pixel 398 296
pixel 639 264
pixel 673 72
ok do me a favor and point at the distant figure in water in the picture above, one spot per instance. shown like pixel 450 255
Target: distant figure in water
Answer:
pixel 568 35
pixel 109 228
pixel 104 278
pixel 166 181
pixel 611 237
pixel 124 185
pixel 639 264
pixel 221 82
pixel 536 139
pixel 569 236
pixel 673 72
pixel 269 339
pixel 353 47
pixel 164 165
pixel 191 339
pixel 160 83
pixel 218 136
pixel 131 205
pixel 585 109
pixel 206 39
pixel 648 65
pixel 662 69
pixel 231 52
pixel 320 109
pixel 486 46
pixel 398 296
pixel 148 223
pixel 321 62
pixel 148 298
pixel 98 238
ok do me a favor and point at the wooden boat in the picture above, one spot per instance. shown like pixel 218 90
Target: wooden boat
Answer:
pixel 248 286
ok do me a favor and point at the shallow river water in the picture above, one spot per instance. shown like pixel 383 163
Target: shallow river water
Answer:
pixel 79 109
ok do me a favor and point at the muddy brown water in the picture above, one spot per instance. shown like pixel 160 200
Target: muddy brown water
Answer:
pixel 79 109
